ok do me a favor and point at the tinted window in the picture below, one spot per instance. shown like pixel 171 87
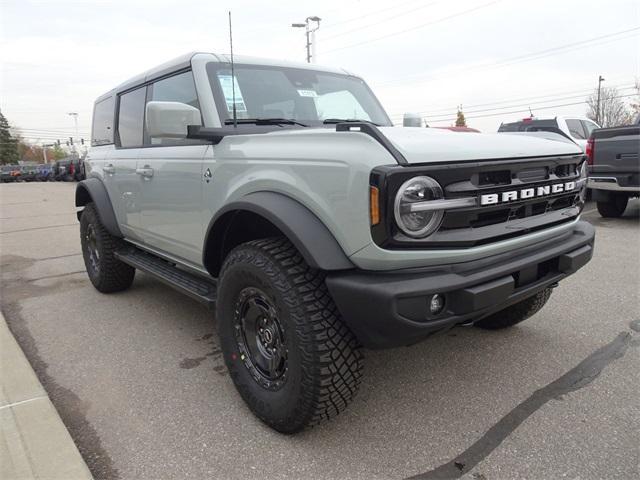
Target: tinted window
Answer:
pixel 131 118
pixel 588 126
pixel 528 126
pixel 102 130
pixel 575 129
pixel 179 88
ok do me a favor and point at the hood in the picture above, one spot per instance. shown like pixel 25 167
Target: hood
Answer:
pixel 426 145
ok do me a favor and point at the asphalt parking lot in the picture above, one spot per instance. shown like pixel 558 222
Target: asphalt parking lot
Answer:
pixel 139 380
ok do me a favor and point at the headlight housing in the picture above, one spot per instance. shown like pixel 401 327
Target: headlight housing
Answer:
pixel 418 224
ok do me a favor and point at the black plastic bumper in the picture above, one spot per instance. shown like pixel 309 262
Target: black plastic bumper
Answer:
pixel 388 309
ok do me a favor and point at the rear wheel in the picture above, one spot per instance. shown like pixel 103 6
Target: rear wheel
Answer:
pixel 291 357
pixel 614 207
pixel 515 314
pixel 106 272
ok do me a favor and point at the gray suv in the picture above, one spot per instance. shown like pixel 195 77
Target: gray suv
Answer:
pixel 281 196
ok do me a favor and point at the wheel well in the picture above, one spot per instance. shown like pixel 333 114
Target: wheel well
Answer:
pixel 232 229
pixel 82 196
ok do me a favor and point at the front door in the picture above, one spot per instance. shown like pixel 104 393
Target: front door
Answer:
pixel 171 178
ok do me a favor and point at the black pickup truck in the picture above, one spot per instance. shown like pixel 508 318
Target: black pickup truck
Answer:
pixel 614 167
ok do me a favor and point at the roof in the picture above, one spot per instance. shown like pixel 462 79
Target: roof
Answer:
pixel 184 61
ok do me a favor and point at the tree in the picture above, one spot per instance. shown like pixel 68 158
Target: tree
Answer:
pixel 8 144
pixel 57 152
pixel 460 120
pixel 613 111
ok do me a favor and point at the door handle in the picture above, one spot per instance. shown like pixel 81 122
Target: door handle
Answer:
pixel 110 169
pixel 146 172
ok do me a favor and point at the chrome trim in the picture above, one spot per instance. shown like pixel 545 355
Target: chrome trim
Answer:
pixel 609 183
pixel 443 204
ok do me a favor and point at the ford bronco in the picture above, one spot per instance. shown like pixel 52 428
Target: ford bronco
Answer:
pixel 281 196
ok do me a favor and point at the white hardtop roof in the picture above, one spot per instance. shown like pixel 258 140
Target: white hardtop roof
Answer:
pixel 184 61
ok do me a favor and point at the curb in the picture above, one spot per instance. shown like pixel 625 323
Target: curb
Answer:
pixel 34 443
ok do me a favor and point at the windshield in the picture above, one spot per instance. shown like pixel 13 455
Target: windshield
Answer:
pixel 307 96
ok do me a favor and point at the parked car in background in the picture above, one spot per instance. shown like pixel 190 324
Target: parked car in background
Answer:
pixel 44 172
pixel 576 128
pixel 66 170
pixel 613 159
pixel 6 173
pixel 28 173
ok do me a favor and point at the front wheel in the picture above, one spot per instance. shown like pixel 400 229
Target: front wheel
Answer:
pixel 290 355
pixel 515 314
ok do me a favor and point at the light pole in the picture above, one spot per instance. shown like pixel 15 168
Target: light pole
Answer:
pixel 75 120
pixel 600 80
pixel 311 35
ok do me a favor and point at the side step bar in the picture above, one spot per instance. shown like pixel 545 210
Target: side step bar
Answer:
pixel 201 289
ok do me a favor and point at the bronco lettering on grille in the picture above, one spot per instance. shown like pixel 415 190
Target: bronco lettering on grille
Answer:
pixel 526 193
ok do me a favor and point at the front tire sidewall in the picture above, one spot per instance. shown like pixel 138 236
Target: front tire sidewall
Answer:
pixel 277 408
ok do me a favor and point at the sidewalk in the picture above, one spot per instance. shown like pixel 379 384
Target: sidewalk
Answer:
pixel 34 443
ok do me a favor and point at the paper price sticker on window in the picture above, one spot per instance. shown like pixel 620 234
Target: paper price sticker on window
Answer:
pixel 308 93
pixel 228 92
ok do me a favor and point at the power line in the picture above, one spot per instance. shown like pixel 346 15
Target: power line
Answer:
pixel 393 34
pixel 520 58
pixel 543 107
pixel 384 20
pixel 527 104
pixel 375 12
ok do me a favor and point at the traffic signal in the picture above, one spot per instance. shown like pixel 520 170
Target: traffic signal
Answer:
pixel 71 140
pixel 58 142
pixel 82 141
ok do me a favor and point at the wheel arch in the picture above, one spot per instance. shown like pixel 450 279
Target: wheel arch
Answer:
pixel 93 190
pixel 264 214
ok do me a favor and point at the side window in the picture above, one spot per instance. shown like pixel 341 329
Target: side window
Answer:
pixel 102 129
pixel 575 129
pixel 588 127
pixel 178 88
pixel 131 118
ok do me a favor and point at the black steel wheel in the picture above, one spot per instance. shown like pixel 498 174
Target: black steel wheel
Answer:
pixel 106 272
pixel 291 357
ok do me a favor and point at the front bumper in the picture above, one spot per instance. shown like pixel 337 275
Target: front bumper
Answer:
pixel 391 309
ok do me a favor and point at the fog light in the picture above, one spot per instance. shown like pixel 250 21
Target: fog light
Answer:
pixel 436 304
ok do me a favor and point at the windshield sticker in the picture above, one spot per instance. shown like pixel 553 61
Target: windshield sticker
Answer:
pixel 307 93
pixel 227 91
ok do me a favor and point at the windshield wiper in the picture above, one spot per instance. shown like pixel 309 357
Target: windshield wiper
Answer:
pixel 264 121
pixel 330 121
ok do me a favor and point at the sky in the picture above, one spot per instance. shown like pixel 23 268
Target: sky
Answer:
pixel 496 58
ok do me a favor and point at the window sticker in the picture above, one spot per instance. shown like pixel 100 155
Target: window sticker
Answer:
pixel 227 91
pixel 308 93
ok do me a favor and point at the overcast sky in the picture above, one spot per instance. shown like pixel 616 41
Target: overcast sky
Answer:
pixel 496 58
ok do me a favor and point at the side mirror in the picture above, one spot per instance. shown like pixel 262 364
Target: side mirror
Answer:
pixel 411 120
pixel 170 119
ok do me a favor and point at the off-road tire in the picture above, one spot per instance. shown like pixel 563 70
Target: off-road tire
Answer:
pixel 324 361
pixel 111 275
pixel 515 314
pixel 614 207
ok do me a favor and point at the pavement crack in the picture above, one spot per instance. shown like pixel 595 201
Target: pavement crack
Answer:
pixel 576 378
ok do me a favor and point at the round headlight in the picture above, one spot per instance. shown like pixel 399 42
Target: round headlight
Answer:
pixel 416 223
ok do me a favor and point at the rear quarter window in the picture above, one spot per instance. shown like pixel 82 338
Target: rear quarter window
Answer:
pixel 102 129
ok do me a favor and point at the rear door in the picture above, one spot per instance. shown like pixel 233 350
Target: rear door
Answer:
pixel 171 180
pixel 120 167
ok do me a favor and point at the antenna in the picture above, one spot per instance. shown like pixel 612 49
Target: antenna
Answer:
pixel 233 76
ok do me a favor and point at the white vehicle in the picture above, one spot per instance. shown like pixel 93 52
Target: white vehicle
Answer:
pixel 576 128
pixel 281 196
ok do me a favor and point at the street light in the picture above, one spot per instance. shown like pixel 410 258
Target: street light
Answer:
pixel 75 121
pixel 600 80
pixel 311 35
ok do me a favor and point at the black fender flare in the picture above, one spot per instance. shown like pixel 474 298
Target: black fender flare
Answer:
pixel 93 190
pixel 303 228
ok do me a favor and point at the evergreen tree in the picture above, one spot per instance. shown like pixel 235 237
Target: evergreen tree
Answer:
pixel 8 144
pixel 460 120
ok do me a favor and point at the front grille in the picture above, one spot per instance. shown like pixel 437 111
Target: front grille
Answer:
pixel 479 225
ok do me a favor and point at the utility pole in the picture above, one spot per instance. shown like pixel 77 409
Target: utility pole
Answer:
pixel 600 80
pixel 310 32
pixel 75 120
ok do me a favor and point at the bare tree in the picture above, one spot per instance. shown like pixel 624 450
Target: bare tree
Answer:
pixel 613 111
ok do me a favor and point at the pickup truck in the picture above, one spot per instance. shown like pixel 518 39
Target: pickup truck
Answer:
pixel 614 167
